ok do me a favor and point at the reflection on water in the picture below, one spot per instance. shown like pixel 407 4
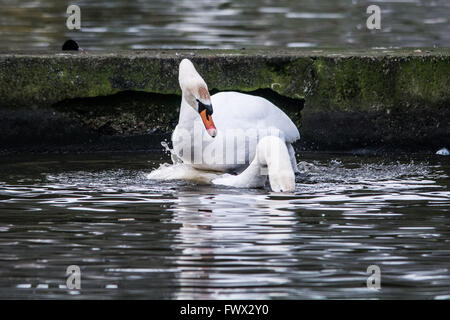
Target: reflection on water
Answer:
pixel 137 238
pixel 112 25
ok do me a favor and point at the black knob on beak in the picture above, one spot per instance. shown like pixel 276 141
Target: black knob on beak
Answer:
pixel 207 107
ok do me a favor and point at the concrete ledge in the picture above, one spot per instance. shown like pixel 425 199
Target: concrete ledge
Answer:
pixel 340 99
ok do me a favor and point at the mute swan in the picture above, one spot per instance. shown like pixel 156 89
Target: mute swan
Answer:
pixel 234 124
pixel 249 135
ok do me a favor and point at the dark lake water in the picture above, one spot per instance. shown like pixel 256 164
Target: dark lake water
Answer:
pixel 136 238
pixel 143 24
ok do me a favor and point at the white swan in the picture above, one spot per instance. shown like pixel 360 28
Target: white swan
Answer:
pixel 234 124
pixel 249 135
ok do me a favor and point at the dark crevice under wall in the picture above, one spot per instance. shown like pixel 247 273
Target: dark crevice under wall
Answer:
pixel 125 121
pixel 419 130
pixel 139 121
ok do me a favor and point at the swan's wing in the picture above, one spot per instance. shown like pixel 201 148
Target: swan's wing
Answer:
pixel 238 110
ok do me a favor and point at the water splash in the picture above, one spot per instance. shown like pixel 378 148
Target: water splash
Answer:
pixel 181 171
pixel 173 156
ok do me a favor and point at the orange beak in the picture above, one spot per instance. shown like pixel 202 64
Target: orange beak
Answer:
pixel 209 124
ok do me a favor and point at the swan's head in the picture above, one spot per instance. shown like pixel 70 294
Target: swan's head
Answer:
pixel 196 94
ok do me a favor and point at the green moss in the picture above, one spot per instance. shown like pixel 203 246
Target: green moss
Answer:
pixel 357 84
pixel 327 80
pixel 423 82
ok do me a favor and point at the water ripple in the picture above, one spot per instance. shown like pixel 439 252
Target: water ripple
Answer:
pixel 137 238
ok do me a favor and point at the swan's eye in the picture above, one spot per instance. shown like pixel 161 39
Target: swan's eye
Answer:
pixel 205 111
pixel 207 107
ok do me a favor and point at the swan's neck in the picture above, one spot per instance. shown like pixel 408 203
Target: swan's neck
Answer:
pixel 187 114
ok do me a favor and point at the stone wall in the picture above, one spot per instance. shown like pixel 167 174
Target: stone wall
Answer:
pixel 340 99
